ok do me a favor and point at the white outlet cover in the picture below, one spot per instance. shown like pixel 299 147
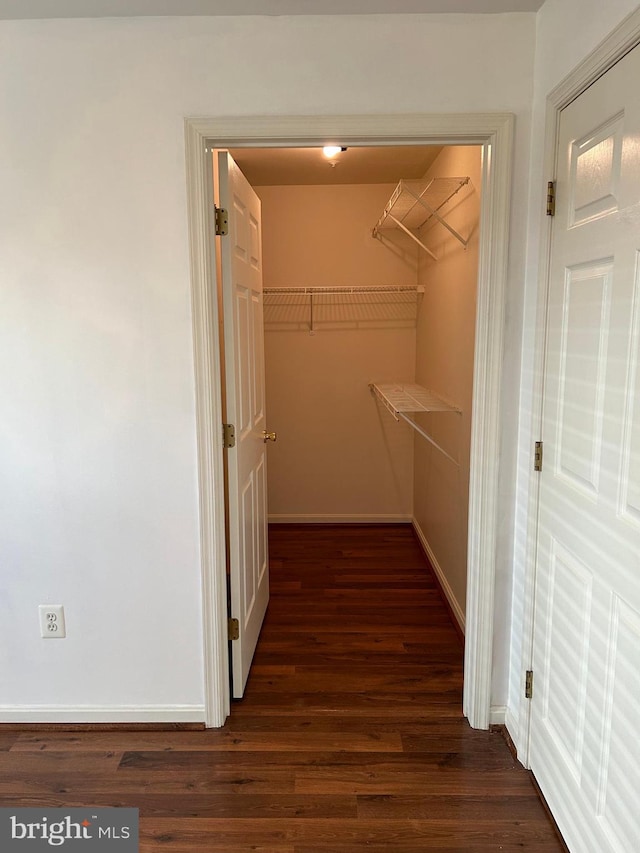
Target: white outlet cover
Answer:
pixel 52 626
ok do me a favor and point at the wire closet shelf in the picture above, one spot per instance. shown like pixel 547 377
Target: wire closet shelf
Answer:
pixel 321 305
pixel 403 400
pixel 344 291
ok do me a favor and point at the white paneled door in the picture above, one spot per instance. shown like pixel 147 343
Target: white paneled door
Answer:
pixel 585 724
pixel 241 257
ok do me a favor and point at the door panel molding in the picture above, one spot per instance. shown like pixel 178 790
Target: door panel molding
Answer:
pixel 628 498
pixel 620 41
pixel 494 132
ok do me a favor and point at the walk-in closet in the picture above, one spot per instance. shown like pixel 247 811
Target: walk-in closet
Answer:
pixel 370 264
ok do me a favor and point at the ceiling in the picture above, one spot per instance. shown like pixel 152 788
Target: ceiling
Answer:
pixel 357 165
pixel 23 9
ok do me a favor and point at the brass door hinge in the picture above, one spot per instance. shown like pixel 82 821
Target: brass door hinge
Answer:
pixel 551 198
pixel 528 684
pixel 537 457
pixel 228 435
pixel 233 629
pixel 222 222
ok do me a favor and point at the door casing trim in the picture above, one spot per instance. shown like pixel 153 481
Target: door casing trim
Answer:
pixel 492 131
pixel 623 39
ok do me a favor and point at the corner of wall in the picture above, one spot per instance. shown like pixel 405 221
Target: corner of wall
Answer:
pixel 457 611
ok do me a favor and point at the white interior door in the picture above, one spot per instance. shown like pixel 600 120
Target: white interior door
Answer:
pixel 241 260
pixel 585 724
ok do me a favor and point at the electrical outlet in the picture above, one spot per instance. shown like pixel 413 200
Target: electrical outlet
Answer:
pixel 52 621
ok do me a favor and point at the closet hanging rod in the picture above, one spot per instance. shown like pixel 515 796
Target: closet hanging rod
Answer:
pixel 383 288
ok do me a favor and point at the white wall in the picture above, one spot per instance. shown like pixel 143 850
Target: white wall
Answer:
pixel 567 31
pixel 445 363
pixel 98 453
pixel 339 455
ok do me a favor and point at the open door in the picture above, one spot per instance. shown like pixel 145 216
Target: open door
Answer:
pixel 241 262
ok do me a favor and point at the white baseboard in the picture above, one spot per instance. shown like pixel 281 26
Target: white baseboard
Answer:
pixel 497 715
pixel 339 519
pixel 457 610
pixel 513 727
pixel 98 714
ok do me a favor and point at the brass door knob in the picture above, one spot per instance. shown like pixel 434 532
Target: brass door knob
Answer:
pixel 268 436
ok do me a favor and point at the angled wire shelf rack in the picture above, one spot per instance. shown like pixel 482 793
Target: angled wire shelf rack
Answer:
pixel 413 203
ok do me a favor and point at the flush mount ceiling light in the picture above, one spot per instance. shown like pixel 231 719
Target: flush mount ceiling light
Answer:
pixel 332 150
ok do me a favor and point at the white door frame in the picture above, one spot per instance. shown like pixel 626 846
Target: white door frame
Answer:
pixel 623 39
pixel 492 131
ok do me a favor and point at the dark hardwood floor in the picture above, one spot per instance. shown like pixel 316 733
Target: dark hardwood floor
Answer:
pixel 350 737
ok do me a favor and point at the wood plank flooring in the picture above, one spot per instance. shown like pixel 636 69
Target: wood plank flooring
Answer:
pixel 350 737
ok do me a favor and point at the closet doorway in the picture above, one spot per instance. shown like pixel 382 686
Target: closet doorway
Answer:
pixel 370 266
pixel 494 132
